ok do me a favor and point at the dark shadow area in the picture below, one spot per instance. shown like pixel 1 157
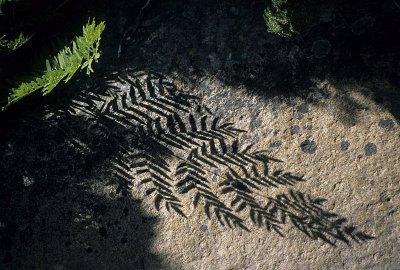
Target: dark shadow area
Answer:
pixel 346 42
pixel 53 217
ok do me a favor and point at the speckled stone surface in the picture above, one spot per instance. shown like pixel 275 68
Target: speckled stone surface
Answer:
pixel 208 146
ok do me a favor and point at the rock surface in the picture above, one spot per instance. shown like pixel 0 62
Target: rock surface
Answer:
pixel 208 145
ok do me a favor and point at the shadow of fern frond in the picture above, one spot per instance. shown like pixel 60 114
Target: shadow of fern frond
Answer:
pixel 155 172
pixel 194 178
pixel 175 148
pixel 187 133
pixel 308 216
pixel 134 99
pixel 243 198
pixel 121 177
pixel 192 174
pixel 247 171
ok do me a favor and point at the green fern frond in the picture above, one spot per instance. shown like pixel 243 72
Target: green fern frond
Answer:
pixel 81 55
pixel 12 44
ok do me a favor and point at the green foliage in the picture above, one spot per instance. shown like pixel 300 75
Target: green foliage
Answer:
pixel 12 44
pixel 287 17
pixel 80 55
pixel 33 42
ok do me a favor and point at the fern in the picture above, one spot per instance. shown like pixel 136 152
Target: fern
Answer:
pixel 13 44
pixel 81 55
pixel 288 18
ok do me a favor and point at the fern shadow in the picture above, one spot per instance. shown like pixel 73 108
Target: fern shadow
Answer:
pixel 132 131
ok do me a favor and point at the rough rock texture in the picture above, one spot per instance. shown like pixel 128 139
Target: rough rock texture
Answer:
pixel 210 144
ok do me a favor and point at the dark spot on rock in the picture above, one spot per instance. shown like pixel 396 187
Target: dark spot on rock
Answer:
pixel 303 108
pixel 67 243
pixel 203 228
pixel 370 149
pixel 321 48
pixel 124 240
pixel 103 232
pixel 276 144
pixel 89 250
pixel 388 199
pixel 344 145
pixel 308 146
pixel 359 156
pixel 294 129
pixel 386 123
